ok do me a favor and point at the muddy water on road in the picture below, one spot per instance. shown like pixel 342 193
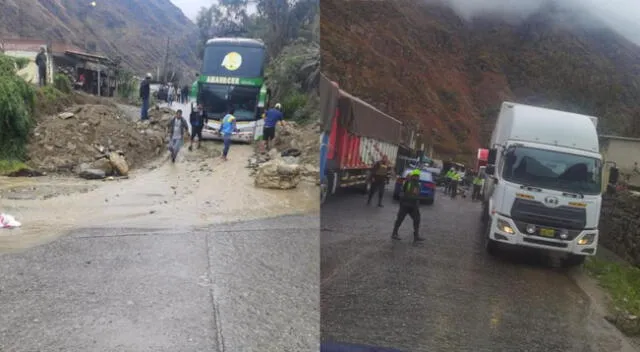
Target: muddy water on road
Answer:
pixel 197 190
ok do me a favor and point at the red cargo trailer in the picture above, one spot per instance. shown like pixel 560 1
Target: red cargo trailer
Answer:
pixel 481 158
pixel 358 136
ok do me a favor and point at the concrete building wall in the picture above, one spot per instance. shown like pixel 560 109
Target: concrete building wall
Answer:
pixel 30 72
pixel 625 153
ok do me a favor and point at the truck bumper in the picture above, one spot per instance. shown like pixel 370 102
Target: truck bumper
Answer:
pixel 504 230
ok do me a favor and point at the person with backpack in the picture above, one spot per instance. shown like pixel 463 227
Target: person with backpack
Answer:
pixel 409 205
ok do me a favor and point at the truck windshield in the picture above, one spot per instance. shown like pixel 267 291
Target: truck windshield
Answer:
pixel 552 170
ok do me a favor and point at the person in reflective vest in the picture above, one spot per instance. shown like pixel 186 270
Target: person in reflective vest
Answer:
pixel 478 181
pixel 379 178
pixel 455 180
pixel 448 179
pixel 409 205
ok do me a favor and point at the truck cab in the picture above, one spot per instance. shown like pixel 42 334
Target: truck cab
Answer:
pixel 543 182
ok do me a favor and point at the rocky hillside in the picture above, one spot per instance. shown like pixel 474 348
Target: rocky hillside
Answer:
pixel 137 31
pixel 423 62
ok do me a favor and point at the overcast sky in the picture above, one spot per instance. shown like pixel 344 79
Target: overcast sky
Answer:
pixel 622 15
pixel 191 7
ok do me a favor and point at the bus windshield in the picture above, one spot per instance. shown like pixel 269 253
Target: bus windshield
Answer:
pixel 248 63
pixel 552 170
pixel 217 99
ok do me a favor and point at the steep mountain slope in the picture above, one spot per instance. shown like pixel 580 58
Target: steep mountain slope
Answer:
pixel 137 31
pixel 424 63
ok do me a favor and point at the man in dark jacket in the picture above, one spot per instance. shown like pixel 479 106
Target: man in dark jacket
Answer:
pixel 379 177
pixel 409 205
pixel 198 120
pixel 145 91
pixel 41 62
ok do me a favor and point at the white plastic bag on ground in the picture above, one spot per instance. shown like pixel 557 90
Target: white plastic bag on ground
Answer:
pixel 7 221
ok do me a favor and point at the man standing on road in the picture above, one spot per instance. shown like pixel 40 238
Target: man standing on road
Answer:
pixel 227 127
pixel 272 116
pixel 41 62
pixel 185 94
pixel 478 182
pixel 178 131
pixel 379 178
pixel 198 119
pixel 409 205
pixel 448 179
pixel 456 178
pixel 145 91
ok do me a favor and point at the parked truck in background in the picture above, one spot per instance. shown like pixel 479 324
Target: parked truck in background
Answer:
pixel 543 185
pixel 354 136
pixel 481 159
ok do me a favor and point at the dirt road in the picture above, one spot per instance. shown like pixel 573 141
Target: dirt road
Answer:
pixel 198 190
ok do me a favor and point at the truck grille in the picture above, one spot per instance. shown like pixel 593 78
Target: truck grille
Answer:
pixel 534 212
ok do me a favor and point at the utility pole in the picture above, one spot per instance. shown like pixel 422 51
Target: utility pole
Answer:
pixel 166 60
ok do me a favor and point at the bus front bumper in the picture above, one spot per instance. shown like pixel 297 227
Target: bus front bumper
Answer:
pixel 242 137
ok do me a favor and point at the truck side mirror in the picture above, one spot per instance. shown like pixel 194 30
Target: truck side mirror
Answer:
pixel 491 158
pixel 490 170
pixel 614 174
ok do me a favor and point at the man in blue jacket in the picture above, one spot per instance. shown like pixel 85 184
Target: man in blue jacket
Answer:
pixel 272 116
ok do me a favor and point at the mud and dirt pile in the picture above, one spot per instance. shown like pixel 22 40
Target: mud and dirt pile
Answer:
pixel 620 226
pixel 295 157
pixel 96 137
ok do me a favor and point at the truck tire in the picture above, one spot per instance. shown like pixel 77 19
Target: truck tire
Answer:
pixel 324 190
pixel 484 216
pixel 490 245
pixel 574 260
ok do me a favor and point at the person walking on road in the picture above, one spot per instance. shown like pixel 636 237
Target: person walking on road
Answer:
pixel 227 127
pixel 145 91
pixel 41 62
pixel 409 205
pixel 185 94
pixel 379 178
pixel 178 132
pixel 271 118
pixel 198 120
pixel 170 94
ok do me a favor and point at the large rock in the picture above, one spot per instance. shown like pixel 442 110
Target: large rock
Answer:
pixel 92 174
pixel 103 164
pixel 276 174
pixel 119 163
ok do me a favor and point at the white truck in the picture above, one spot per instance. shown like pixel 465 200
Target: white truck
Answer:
pixel 543 182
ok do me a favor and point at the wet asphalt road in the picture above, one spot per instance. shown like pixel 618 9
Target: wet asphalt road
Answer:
pixel 249 286
pixel 445 294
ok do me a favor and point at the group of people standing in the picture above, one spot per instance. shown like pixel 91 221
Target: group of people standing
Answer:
pixel 455 176
pixel 177 94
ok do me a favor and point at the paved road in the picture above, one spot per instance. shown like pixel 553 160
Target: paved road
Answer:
pixel 445 294
pixel 235 287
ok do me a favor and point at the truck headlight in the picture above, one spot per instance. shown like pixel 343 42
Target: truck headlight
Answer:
pixel 505 227
pixel 587 239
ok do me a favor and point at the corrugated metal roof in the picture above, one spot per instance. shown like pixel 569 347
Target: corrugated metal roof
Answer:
pixel 21 44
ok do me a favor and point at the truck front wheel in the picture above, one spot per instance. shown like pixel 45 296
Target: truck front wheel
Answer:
pixel 574 260
pixel 490 245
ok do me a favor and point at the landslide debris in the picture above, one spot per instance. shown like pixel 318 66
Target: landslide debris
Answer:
pixel 96 140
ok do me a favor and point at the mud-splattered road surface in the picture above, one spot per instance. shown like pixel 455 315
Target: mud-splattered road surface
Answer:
pixel 155 262
pixel 445 294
